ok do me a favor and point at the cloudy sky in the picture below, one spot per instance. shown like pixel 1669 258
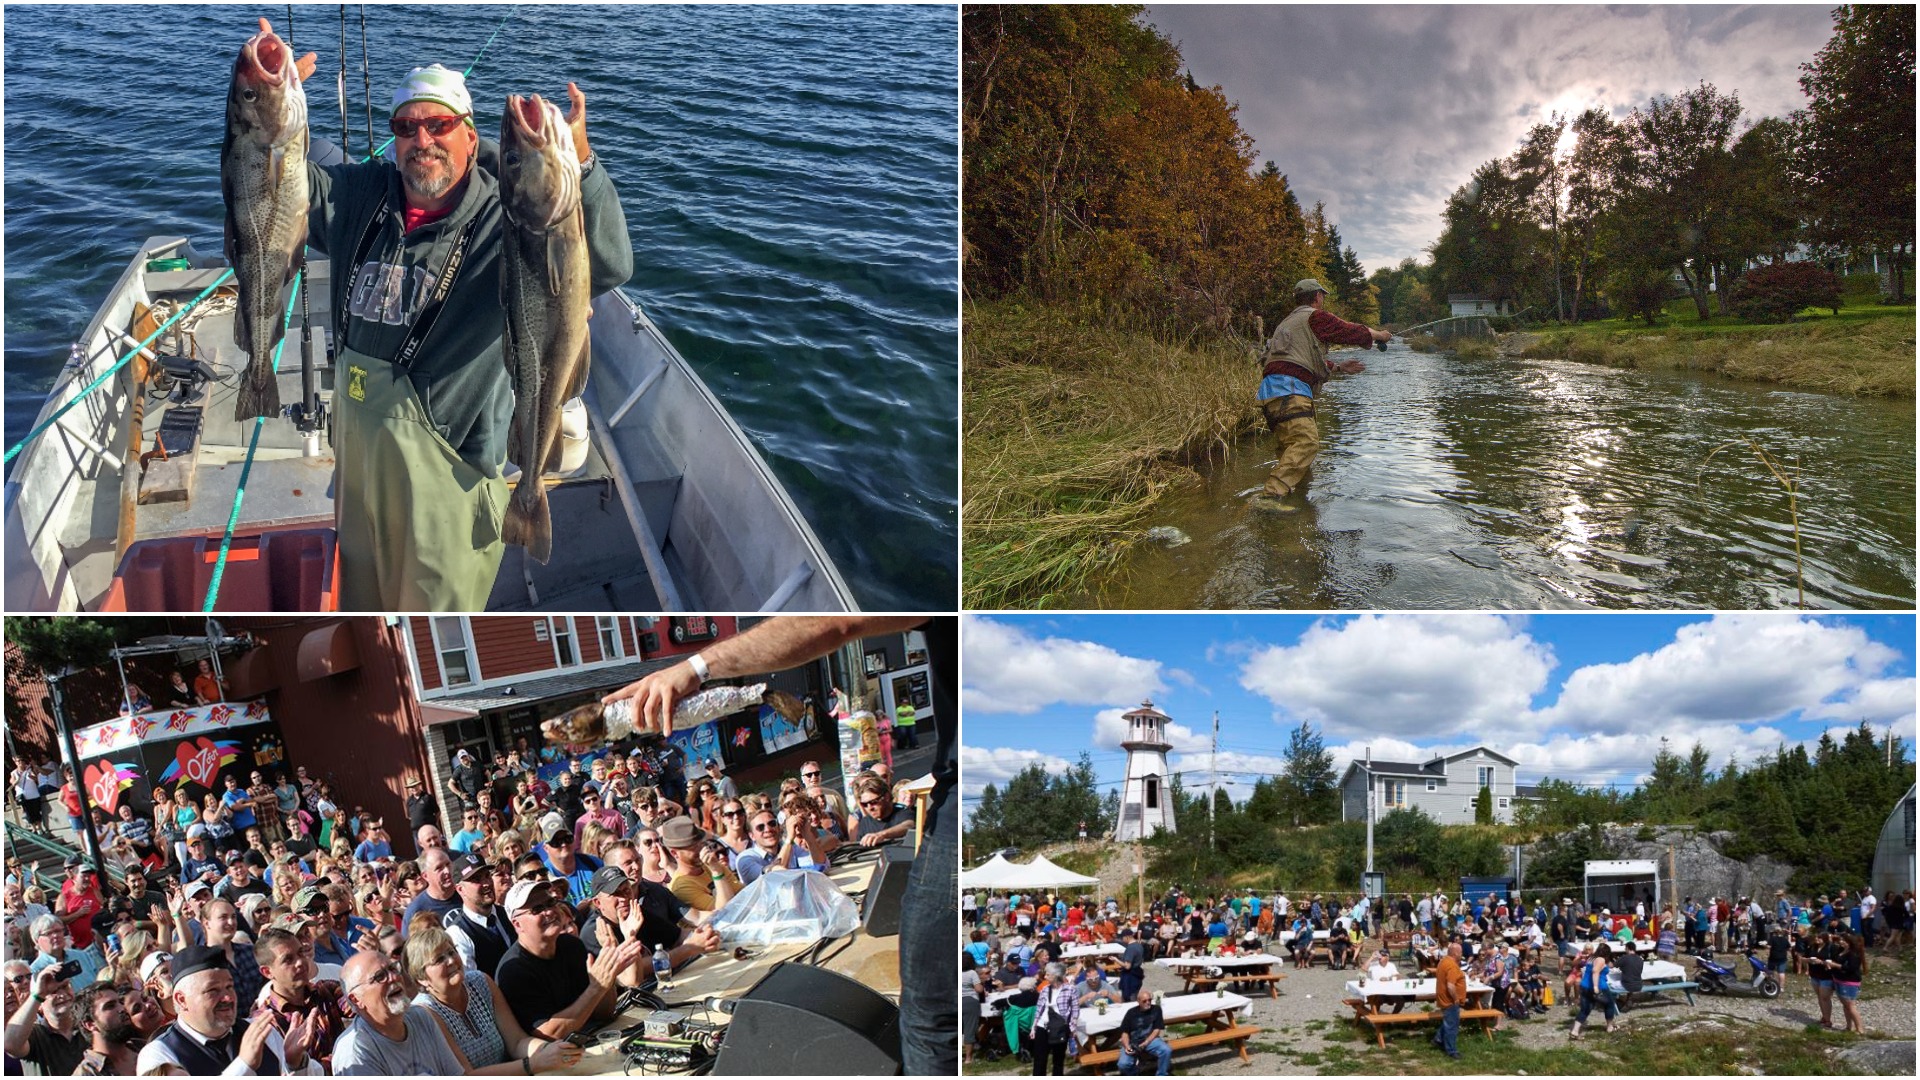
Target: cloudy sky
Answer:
pixel 1583 698
pixel 1382 112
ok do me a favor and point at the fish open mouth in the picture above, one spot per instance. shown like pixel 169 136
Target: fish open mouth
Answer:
pixel 268 59
pixel 529 119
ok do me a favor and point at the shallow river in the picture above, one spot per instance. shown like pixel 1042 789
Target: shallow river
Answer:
pixel 1448 483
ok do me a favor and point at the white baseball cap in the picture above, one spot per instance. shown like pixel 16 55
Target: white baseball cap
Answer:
pixel 435 83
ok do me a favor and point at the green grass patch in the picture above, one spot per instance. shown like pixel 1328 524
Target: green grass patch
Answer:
pixel 1073 432
pixel 1694 1046
pixel 1863 350
pixel 1080 862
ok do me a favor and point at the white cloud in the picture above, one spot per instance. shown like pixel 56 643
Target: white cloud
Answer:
pixel 1879 702
pixel 1733 668
pixel 980 766
pixel 1404 675
pixel 1422 95
pixel 1007 670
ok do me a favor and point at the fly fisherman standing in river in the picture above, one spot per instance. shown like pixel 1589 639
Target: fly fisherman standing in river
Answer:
pixel 1294 366
pixel 423 400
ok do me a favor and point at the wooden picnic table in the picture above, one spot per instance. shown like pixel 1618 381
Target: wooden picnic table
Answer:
pixel 1371 998
pixel 1197 971
pixel 1218 1011
pixel 872 961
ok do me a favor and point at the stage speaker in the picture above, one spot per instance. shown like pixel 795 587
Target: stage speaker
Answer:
pixel 808 1021
pixel 880 908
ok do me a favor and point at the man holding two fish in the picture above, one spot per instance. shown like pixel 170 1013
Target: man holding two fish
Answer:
pixel 436 388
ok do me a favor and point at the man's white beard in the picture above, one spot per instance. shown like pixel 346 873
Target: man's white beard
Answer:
pixel 420 184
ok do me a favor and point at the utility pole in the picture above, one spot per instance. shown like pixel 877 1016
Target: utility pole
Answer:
pixel 1368 769
pixel 1213 758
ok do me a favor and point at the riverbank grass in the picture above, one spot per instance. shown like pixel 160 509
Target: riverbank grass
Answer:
pixel 1072 433
pixel 1866 350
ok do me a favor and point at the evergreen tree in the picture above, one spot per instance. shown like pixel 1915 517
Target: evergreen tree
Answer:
pixel 1483 807
pixel 1309 795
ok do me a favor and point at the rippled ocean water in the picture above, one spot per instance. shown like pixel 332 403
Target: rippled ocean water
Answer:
pixel 789 175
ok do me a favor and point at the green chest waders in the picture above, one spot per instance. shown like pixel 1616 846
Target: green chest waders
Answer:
pixel 418 525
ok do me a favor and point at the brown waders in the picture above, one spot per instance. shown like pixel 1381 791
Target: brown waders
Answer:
pixel 1297 441
pixel 419 526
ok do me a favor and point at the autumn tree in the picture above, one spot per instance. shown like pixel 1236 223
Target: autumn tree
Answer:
pixel 1857 133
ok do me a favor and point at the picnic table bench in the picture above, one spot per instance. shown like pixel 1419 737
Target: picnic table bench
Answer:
pixel 1368 999
pixel 1197 972
pixel 1218 1011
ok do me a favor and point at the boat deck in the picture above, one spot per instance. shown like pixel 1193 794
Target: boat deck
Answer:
pixel 598 567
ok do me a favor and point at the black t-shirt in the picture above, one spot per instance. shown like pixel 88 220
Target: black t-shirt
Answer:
pixel 536 989
pixel 1557 930
pixel 468 778
pixel 227 890
pixel 421 810
pixel 144 904
pixel 943 657
pixel 1140 1022
pixel 56 1056
pixel 1777 946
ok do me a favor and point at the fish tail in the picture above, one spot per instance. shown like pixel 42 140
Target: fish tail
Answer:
pixel 259 394
pixel 528 522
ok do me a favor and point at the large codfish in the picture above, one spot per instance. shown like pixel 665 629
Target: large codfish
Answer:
pixel 544 286
pixel 263 178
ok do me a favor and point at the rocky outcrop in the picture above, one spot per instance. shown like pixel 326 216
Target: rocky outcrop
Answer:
pixel 1890 1058
pixel 1698 867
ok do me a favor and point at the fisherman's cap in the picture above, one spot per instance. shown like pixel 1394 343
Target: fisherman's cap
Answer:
pixel 437 84
pixel 1303 285
pixel 197 958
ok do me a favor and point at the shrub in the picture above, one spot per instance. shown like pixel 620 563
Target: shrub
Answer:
pixel 1501 324
pixel 1861 285
pixel 1771 294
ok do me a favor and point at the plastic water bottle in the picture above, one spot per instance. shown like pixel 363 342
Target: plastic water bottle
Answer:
pixel 662 968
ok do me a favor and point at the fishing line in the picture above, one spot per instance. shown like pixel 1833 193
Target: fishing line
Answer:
pixel 246 467
pixel 464 74
pixel 366 85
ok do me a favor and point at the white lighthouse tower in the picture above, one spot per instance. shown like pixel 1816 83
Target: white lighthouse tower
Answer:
pixel 1146 806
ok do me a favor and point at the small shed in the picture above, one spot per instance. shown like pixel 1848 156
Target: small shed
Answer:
pixel 1475 304
pixel 1617 884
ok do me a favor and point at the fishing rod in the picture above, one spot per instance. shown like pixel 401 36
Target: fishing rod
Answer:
pixel 1382 346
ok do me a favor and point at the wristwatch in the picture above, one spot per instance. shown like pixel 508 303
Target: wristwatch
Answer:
pixel 699 665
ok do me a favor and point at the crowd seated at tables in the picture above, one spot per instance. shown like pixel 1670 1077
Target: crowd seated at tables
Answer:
pixel 276 929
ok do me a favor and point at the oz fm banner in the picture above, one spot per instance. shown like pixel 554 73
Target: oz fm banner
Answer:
pixel 189 752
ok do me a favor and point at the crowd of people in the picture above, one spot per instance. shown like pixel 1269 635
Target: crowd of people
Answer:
pixel 1017 948
pixel 274 927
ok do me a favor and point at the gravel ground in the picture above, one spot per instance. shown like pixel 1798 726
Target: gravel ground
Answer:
pixel 1297 1023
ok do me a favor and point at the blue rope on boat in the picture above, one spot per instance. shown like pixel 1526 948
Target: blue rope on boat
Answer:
pixel 464 74
pixel 40 429
pixel 240 493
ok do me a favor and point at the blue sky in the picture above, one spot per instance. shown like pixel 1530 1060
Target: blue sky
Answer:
pixel 1585 698
pixel 1381 111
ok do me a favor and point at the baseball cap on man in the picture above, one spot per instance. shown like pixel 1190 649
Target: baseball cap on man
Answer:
pixel 607 879
pixel 525 893
pixel 437 84
pixel 1303 285
pixel 307 898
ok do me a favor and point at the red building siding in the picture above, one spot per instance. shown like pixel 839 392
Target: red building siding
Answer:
pixel 357 729
pixel 587 632
pixel 505 646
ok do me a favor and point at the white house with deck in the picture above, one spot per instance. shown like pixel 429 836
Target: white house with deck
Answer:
pixel 1443 787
